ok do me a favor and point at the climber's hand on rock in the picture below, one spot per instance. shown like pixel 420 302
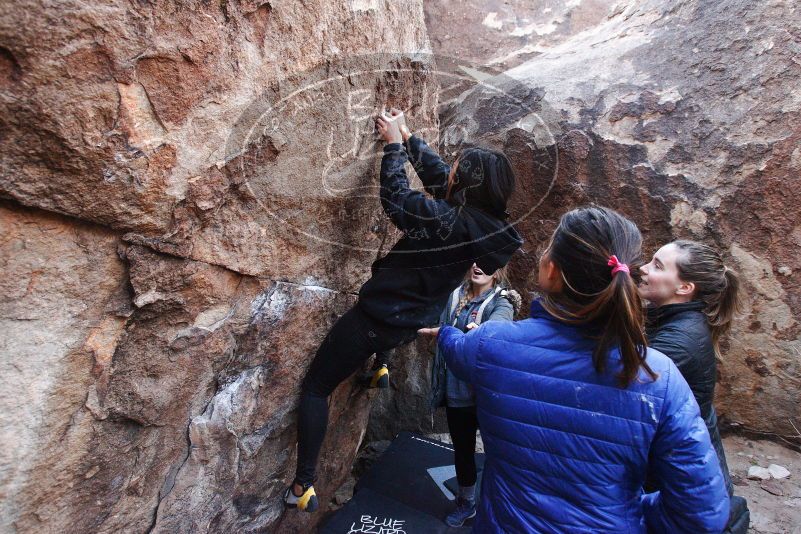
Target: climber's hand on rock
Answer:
pixel 433 332
pixel 400 118
pixel 388 129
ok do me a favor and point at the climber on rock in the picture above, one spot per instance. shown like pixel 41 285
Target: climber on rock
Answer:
pixel 462 220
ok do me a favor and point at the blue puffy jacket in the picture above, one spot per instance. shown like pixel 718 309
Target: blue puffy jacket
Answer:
pixel 568 449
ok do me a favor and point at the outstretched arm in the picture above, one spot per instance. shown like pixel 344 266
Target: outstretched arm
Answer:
pixel 433 172
pixel 460 350
pixel 411 211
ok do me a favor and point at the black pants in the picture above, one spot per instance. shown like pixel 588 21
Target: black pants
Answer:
pixel 382 358
pixel 463 425
pixel 353 339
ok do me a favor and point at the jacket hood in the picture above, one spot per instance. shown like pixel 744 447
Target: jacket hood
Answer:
pixel 491 250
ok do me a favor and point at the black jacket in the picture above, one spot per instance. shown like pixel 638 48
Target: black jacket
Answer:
pixel 410 285
pixel 681 332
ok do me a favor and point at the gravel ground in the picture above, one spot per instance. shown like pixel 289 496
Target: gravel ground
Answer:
pixel 769 513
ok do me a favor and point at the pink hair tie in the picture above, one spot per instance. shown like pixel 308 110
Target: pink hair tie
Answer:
pixel 617 266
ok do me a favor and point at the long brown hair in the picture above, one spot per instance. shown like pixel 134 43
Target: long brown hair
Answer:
pixel 716 285
pixel 581 248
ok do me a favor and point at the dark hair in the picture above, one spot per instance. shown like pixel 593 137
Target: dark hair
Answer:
pixel 581 248
pixel 716 285
pixel 484 179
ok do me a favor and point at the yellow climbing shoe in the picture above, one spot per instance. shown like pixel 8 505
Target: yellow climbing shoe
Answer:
pixel 380 378
pixel 306 502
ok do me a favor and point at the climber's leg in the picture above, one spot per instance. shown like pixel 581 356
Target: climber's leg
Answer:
pixel 312 422
pixel 353 339
pixel 382 358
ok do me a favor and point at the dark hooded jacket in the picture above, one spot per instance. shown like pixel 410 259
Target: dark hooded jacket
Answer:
pixel 681 332
pixel 442 239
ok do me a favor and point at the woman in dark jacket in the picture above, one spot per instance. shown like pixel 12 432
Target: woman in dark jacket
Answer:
pixel 461 223
pixel 481 298
pixel 693 297
pixel 575 411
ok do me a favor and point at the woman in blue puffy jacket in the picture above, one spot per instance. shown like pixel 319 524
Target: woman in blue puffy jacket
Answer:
pixel 575 411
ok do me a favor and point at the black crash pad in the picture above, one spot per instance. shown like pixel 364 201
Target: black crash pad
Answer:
pixel 407 484
pixel 370 512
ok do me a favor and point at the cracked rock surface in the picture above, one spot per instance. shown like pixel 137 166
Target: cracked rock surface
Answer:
pixel 189 200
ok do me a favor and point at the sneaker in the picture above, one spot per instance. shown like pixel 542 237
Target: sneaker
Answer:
pixel 464 510
pixel 306 502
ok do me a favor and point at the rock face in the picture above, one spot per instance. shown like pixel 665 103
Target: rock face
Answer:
pixel 502 34
pixel 677 114
pixel 189 203
pixel 405 405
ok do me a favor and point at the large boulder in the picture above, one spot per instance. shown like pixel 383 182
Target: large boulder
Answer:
pixel 678 114
pixel 501 34
pixel 406 404
pixel 190 201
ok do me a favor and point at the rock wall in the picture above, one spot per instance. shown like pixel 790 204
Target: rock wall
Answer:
pixel 501 34
pixel 405 404
pixel 189 202
pixel 679 114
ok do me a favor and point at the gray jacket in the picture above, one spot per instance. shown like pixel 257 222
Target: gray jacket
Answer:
pixel 495 304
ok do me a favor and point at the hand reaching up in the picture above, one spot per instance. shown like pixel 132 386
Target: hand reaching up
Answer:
pixel 388 128
pixel 400 118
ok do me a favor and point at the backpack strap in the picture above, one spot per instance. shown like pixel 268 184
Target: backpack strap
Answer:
pixel 490 297
pixel 454 302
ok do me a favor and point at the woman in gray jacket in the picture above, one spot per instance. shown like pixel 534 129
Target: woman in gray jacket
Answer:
pixel 482 297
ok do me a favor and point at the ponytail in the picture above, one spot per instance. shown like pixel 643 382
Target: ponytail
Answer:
pixel 716 285
pixel 625 327
pixel 592 248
